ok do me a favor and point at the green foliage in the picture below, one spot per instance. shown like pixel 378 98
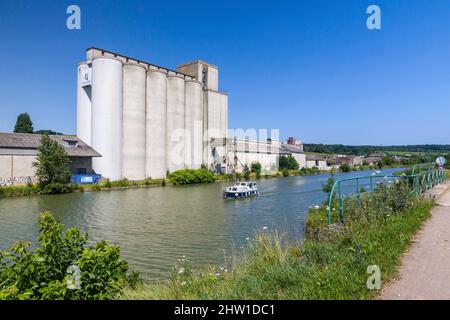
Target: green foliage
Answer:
pixel 105 183
pixel 256 169
pixel 246 172
pixel 56 188
pixel 52 163
pixel 285 173
pixel 288 162
pixel 345 167
pixel 19 191
pixel 23 124
pixel 329 185
pixel 364 150
pixel 190 176
pixel 43 273
pixel 120 183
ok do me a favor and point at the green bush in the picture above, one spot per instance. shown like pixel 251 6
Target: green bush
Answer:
pixel 104 183
pixel 256 169
pixel 56 188
pixel 44 272
pixel 18 191
pixel 246 172
pixel 191 176
pixel 285 172
pixel 345 167
pixel 288 162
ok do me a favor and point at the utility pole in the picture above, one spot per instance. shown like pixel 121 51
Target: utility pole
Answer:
pixel 235 158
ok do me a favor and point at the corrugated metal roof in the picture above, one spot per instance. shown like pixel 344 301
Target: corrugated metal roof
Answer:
pixel 32 141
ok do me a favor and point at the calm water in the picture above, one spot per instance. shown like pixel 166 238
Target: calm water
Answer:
pixel 157 226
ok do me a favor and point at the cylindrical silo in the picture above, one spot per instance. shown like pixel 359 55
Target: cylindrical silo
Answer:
pixel 175 123
pixel 107 116
pixel 83 104
pixel 134 95
pixel 194 124
pixel 156 124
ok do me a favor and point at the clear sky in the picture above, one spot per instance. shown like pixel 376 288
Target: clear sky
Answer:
pixel 310 68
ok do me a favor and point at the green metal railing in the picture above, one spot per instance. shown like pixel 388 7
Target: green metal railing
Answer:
pixel 424 179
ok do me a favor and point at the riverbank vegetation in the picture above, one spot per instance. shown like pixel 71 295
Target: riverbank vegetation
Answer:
pixel 191 176
pixel 331 263
pixel 63 267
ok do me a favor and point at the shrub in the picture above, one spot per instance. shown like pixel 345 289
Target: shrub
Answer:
pixel 288 162
pixel 18 191
pixel 56 188
pixel 246 172
pixel 105 183
pixel 191 176
pixel 256 169
pixel 43 273
pixel 285 172
pixel 345 167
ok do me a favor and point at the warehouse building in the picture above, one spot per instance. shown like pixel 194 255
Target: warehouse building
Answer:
pixel 146 120
pixel 18 151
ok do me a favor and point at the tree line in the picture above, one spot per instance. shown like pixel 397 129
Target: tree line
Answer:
pixel 367 149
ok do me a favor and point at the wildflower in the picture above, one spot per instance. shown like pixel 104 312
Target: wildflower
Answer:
pixel 218 274
pixel 316 207
pixel 181 271
pixel 265 228
pixel 245 239
pixel 183 283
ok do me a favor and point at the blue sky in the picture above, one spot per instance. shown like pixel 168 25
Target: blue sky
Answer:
pixel 310 68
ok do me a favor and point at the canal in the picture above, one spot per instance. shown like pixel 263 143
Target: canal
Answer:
pixel 157 226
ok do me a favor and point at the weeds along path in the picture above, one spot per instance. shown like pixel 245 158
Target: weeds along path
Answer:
pixel 425 270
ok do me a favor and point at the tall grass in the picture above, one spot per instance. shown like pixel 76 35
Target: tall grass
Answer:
pixel 332 266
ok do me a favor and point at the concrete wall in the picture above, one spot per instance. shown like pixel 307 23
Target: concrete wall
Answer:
pixel 301 159
pixel 22 166
pixel 16 166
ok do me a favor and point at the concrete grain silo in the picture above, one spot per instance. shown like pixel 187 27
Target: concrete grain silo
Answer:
pixel 134 141
pixel 145 119
pixel 84 103
pixel 194 124
pixel 106 137
pixel 175 122
pixel 156 139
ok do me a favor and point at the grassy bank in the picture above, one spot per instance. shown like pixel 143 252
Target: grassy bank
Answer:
pixel 330 264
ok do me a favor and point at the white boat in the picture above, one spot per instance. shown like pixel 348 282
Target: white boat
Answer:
pixel 241 190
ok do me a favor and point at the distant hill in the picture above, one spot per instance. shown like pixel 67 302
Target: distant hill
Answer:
pixel 364 150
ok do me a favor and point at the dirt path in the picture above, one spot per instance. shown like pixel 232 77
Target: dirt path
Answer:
pixel 425 271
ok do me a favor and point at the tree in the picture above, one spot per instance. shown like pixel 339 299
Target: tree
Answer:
pixel 52 163
pixel 23 124
pixel 256 169
pixel 246 172
pixel 345 167
pixel 288 162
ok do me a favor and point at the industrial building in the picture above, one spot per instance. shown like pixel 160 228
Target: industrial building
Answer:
pixel 18 151
pixel 146 120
